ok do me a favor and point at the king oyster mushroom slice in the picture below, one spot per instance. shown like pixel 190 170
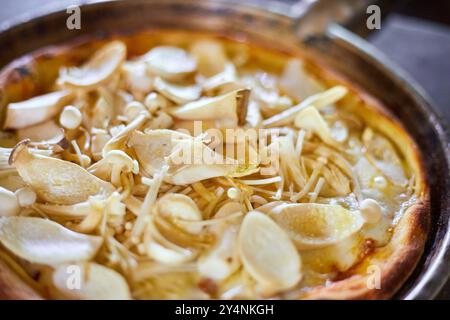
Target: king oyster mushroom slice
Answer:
pixel 319 100
pixel 180 207
pixel 312 225
pixel 176 93
pixel 229 109
pixel 227 77
pixel 193 161
pixel 96 282
pixel 99 69
pixel 170 63
pixel 297 83
pixel 44 131
pixel 55 180
pixel 154 146
pixel 222 259
pixel 210 55
pixel 310 119
pixel 268 254
pixel 35 110
pixel 46 242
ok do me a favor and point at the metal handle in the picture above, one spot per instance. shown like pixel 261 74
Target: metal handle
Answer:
pixel 312 17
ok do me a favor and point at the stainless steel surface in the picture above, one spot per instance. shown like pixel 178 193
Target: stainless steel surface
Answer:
pixel 342 50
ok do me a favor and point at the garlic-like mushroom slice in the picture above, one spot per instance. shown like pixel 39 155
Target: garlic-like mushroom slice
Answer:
pixel 223 259
pixel 227 77
pixel 9 202
pixel 55 180
pixel 229 109
pixel 166 255
pixel 152 147
pixel 297 83
pixel 176 93
pixel 136 78
pixel 193 161
pixel 312 225
pixel 46 242
pixel 310 119
pixel 93 282
pixel 319 100
pixel 180 207
pixel 211 56
pixel 35 110
pixel 44 131
pixel 99 69
pixel 268 254
pixel 170 63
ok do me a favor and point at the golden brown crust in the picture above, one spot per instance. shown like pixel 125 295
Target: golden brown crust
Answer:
pixel 396 261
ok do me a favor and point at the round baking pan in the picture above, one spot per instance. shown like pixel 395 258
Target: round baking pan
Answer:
pixel 308 24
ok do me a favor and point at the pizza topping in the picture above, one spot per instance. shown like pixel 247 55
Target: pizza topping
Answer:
pixel 100 68
pixel 93 281
pixel 267 253
pixel 200 171
pixel 46 242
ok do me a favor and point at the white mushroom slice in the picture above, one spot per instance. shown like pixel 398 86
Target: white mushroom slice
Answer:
pixel 35 110
pixel 136 78
pixel 88 281
pixel 319 101
pixel 227 77
pixel 230 108
pixel 210 55
pixel 10 203
pixel 44 131
pixel 180 207
pixel 152 147
pixel 312 225
pixel 170 63
pixel 176 93
pixel 310 119
pixel 54 180
pixel 193 161
pixel 297 83
pixel 267 253
pixel 46 242
pixel 167 256
pixel 99 69
pixel 223 259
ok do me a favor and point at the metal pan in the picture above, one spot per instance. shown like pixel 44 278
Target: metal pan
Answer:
pixel 310 24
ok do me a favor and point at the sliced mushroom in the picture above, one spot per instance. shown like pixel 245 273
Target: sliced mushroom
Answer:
pixel 35 110
pixel 180 207
pixel 210 55
pixel 44 131
pixel 229 109
pixel 10 203
pixel 54 180
pixel 297 83
pixel 223 258
pixel 226 78
pixel 268 254
pixel 137 79
pixel 46 242
pixel 310 119
pixel 152 147
pixel 176 93
pixel 88 281
pixel 319 101
pixel 193 161
pixel 99 69
pixel 312 225
pixel 112 165
pixel 170 63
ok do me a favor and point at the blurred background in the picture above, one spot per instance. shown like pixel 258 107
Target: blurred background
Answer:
pixel 415 35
